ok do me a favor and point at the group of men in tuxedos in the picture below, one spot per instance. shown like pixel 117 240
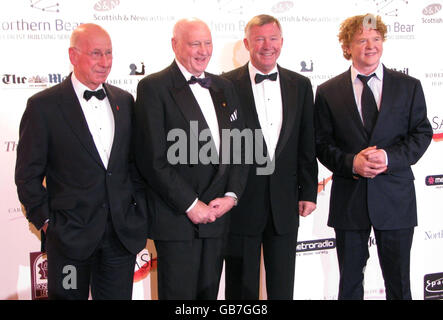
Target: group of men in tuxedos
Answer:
pixel 110 183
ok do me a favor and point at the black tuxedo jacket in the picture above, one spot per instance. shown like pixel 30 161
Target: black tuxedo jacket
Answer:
pixel 402 130
pixel 295 174
pixel 80 192
pixel 165 104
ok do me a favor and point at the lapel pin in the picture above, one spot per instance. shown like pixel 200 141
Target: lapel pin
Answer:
pixel 118 108
pixel 223 104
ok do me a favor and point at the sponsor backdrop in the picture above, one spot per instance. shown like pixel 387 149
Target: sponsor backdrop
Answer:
pixel 34 37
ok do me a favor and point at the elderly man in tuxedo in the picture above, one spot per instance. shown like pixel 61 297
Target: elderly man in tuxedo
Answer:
pixel 279 103
pixel 189 198
pixel 92 210
pixel 371 126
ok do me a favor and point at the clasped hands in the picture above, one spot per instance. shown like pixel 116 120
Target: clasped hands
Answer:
pixel 370 162
pixel 206 213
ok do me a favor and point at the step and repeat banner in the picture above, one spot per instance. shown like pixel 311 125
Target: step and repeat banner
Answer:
pixel 34 41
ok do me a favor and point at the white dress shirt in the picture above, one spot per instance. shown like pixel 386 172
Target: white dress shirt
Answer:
pixel 99 118
pixel 269 106
pixel 204 100
pixel 376 86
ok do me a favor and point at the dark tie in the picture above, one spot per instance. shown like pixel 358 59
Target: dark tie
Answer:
pixel 204 82
pixel 261 77
pixel 99 94
pixel 369 109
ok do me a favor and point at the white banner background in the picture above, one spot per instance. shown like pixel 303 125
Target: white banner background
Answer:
pixel 34 41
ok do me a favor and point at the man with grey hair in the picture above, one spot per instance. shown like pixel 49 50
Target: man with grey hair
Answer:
pixel 280 103
pixel 188 201
pixel 92 212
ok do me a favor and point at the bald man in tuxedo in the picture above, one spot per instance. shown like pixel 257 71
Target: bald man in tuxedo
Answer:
pixel 189 202
pixel 92 210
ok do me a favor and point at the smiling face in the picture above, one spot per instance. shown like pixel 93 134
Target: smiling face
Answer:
pixel 192 45
pixel 264 44
pixel 366 49
pixel 91 55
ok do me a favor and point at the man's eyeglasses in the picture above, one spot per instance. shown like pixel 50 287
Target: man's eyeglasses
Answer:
pixel 97 54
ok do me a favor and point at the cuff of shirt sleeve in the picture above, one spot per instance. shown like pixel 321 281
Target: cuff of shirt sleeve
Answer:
pixel 386 156
pixel 232 195
pixel 192 205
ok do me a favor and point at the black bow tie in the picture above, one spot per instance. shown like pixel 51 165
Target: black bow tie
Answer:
pixel 260 77
pixel 204 82
pixel 99 94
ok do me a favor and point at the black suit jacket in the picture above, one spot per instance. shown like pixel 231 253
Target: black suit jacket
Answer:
pixel 55 143
pixel 295 174
pixel 402 130
pixel 165 102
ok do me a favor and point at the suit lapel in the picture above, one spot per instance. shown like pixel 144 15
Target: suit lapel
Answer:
pixel 186 101
pixel 190 109
pixel 247 102
pixel 350 105
pixel 76 120
pixel 386 101
pixel 222 111
pixel 117 123
pixel 289 94
pixel 220 105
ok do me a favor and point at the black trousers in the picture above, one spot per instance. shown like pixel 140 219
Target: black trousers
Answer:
pixel 393 248
pixel 190 269
pixel 108 273
pixel 242 265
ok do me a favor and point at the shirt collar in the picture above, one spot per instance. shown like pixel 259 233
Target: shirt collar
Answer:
pixel 186 73
pixel 80 88
pixel 253 71
pixel 378 72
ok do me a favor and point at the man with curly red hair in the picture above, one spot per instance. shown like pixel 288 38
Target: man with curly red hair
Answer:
pixel 371 126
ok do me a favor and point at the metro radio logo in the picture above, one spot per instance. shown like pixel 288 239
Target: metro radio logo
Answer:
pixel 434 180
pixel 315 245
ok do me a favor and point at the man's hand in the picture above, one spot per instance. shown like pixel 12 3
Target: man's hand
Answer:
pixel 222 205
pixel 201 213
pixel 377 156
pixel 370 162
pixel 305 208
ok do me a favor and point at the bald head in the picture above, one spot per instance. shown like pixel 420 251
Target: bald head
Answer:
pixel 183 25
pixel 192 44
pixel 86 31
pixel 91 54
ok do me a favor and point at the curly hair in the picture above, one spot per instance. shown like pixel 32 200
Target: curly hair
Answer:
pixel 352 25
